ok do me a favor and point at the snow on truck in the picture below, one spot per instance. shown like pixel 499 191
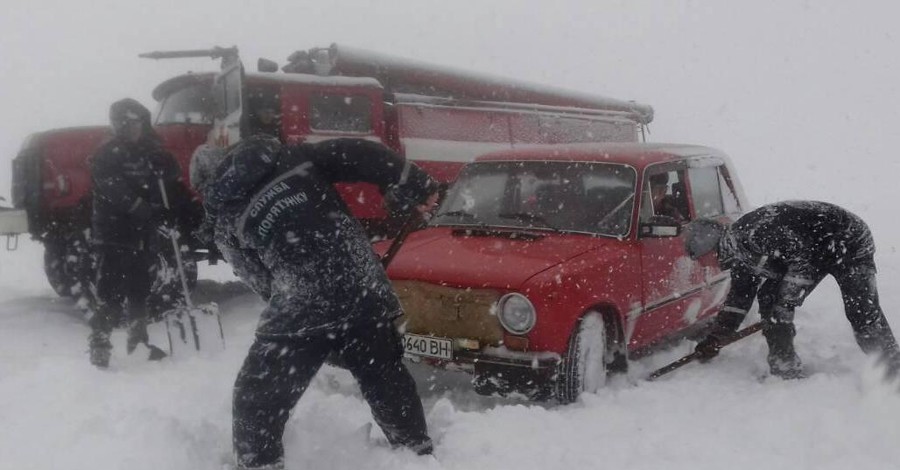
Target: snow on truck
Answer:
pixel 439 117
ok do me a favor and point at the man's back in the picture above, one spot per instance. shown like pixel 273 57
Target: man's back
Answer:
pixel 819 234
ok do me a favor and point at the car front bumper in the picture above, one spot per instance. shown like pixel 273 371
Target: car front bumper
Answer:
pixel 501 372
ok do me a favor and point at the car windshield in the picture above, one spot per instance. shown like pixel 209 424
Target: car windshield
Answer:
pixel 189 105
pixel 595 198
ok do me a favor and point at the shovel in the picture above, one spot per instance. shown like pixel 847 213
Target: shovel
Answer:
pixel 202 320
pixel 741 334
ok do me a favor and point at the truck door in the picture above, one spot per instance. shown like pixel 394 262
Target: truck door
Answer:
pixel 228 92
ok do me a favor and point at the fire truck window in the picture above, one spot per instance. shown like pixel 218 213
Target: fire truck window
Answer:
pixel 570 130
pixel 190 105
pixel 705 191
pixel 340 113
pixel 263 111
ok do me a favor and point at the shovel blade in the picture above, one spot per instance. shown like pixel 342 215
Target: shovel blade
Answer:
pixel 190 331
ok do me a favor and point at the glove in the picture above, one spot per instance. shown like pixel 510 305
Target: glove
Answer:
pixel 206 232
pixel 709 347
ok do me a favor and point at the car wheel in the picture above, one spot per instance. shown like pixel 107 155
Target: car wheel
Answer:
pixel 584 366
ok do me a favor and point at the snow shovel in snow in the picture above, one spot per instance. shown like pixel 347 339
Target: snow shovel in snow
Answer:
pixel 739 335
pixel 192 325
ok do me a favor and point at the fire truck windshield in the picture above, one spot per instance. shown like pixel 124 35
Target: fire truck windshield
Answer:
pixel 190 105
pixel 340 113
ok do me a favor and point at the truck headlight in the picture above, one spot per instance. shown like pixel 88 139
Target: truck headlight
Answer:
pixel 516 313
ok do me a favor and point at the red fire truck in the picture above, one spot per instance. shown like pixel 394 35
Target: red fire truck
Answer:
pixel 439 117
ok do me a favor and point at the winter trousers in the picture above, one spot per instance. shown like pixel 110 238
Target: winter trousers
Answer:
pixel 861 306
pixel 277 371
pixel 123 275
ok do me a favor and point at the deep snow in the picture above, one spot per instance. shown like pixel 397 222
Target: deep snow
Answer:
pixel 58 412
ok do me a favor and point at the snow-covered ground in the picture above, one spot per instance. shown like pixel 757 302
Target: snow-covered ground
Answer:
pixel 802 94
pixel 59 412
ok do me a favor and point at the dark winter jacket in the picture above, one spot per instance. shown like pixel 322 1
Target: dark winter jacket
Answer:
pixel 797 242
pixel 276 208
pixel 127 201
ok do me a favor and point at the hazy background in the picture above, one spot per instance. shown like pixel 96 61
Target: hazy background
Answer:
pixel 795 91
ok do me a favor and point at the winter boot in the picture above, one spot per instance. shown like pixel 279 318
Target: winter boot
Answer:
pixel 137 334
pixel 783 360
pixel 101 349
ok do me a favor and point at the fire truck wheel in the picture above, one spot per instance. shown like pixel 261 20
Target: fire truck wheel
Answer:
pixel 585 365
pixel 69 265
pixel 55 269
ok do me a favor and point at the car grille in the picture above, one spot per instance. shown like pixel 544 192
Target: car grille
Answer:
pixel 447 312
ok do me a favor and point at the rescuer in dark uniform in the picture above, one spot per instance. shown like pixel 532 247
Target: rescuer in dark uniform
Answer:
pixel 778 254
pixel 128 209
pixel 280 221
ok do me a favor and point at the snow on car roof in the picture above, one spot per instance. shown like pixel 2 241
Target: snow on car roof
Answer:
pixel 636 154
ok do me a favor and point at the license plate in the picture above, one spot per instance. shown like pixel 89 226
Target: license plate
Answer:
pixel 428 346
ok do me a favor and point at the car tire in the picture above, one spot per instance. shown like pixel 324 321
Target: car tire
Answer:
pixel 584 367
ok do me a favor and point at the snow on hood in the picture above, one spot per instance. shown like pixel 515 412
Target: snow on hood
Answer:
pixel 442 255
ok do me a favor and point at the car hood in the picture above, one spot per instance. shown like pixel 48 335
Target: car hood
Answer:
pixel 502 260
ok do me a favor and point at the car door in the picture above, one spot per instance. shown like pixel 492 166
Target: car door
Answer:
pixel 669 276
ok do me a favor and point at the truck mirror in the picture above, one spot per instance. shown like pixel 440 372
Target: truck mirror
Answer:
pixel 266 65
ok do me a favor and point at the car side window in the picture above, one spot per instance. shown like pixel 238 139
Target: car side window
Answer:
pixel 730 201
pixel 706 192
pixel 664 195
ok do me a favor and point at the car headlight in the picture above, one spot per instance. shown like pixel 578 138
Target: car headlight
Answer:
pixel 516 313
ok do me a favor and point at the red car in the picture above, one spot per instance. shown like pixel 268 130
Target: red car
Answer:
pixel 546 268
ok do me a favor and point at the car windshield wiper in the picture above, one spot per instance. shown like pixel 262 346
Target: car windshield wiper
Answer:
pixel 528 217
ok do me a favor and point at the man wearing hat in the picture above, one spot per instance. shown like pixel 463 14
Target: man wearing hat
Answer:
pixel 127 173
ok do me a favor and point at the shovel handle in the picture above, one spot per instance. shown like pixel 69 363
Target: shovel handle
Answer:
pixel 405 230
pixel 739 335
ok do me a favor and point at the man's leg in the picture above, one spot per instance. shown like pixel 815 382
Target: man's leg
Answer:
pixel 139 282
pixel 274 376
pixel 107 312
pixel 779 331
pixel 861 305
pixel 373 354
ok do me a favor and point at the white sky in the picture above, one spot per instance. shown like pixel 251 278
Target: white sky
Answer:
pixel 806 87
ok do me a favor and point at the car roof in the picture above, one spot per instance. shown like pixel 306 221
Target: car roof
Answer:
pixel 638 155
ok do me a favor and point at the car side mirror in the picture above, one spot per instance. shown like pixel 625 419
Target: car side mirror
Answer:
pixel 660 226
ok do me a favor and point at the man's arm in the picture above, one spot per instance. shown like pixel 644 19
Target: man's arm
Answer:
pixel 360 160
pixel 111 187
pixel 249 268
pixel 744 286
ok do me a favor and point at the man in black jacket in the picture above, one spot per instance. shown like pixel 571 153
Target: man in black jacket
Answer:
pixel 127 173
pixel 778 254
pixel 282 224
